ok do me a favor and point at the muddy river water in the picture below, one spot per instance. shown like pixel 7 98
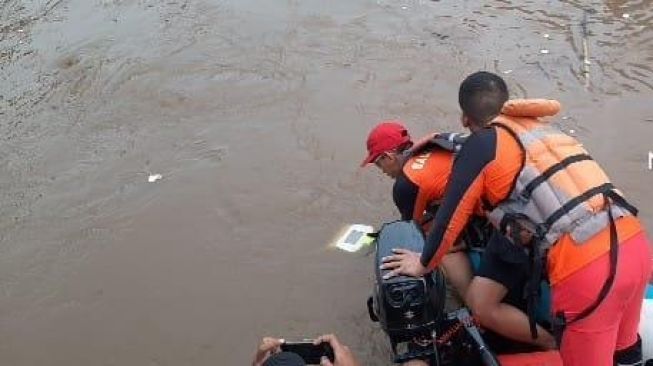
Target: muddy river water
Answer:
pixel 255 114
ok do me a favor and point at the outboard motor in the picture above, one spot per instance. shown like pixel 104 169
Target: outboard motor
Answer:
pixel 411 310
pixel 407 308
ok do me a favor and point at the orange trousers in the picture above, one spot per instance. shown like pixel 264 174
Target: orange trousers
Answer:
pixel 613 325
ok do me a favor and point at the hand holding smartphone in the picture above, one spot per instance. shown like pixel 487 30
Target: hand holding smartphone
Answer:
pixel 309 352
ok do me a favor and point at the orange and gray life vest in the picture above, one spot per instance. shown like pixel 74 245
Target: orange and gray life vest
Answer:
pixel 560 188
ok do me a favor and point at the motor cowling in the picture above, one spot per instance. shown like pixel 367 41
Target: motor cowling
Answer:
pixel 406 307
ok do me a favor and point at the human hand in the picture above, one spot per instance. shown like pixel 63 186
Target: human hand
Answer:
pixel 403 262
pixel 267 347
pixel 342 354
pixel 420 143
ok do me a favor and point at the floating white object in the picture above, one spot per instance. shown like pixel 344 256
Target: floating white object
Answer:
pixel 404 7
pixel 154 177
pixel 355 237
pixel 544 52
pixel 507 72
pixel 572 131
pixel 546 35
pixel 625 15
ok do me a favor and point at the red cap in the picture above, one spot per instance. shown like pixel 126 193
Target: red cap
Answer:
pixel 386 136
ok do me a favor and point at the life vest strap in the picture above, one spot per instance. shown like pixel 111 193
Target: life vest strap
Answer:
pixel 572 203
pixel 560 321
pixel 621 201
pixel 532 290
pixel 562 164
pixel 607 285
pixel 608 192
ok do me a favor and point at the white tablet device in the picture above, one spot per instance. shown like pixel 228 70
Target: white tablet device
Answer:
pixel 355 237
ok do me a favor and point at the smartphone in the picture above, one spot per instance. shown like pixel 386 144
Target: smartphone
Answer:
pixel 354 238
pixel 310 353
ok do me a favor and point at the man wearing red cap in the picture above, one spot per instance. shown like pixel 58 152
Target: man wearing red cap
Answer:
pixel 420 180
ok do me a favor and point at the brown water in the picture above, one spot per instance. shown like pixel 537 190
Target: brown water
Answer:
pixel 255 113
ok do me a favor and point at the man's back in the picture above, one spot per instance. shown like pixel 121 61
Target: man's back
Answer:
pixel 422 183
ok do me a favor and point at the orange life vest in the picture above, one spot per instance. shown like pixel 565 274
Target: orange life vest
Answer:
pixel 560 188
pixel 430 171
pixel 429 167
pixel 559 192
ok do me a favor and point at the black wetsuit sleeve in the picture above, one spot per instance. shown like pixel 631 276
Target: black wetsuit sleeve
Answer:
pixel 464 190
pixel 404 194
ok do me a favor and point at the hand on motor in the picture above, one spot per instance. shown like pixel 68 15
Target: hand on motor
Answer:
pixel 403 262
pixel 267 347
pixel 342 354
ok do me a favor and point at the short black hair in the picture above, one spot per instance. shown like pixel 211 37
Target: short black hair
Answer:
pixel 481 96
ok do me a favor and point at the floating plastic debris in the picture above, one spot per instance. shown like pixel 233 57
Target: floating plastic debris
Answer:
pixel 544 52
pixel 625 15
pixel 507 72
pixel 572 131
pixel 565 118
pixel 20 31
pixel 354 238
pixel 546 35
pixel 154 177
pixel 404 7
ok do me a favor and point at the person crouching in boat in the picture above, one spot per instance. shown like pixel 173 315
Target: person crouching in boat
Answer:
pixel 420 176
